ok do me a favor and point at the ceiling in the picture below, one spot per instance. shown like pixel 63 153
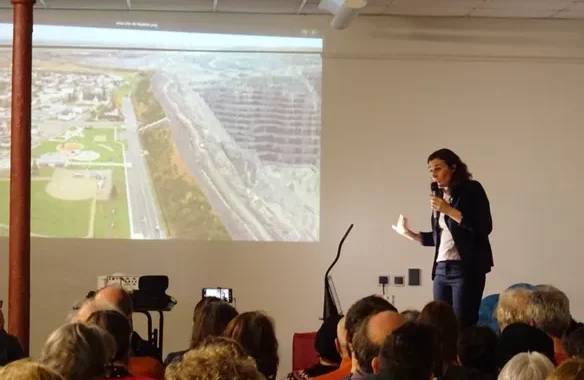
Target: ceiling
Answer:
pixel 558 9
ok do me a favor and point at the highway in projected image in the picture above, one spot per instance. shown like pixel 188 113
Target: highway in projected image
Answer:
pixel 170 144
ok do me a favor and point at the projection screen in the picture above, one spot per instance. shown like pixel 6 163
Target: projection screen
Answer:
pixel 143 133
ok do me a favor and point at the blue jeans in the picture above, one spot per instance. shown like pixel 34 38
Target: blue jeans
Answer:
pixel 462 290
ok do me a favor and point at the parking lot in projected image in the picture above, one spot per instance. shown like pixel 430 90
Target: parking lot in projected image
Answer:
pixel 145 144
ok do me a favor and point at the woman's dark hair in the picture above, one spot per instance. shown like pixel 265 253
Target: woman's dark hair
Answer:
pixel 477 349
pixel 411 352
pixel 211 321
pixel 118 326
pixel 255 332
pixel 451 159
pixel 440 315
pixel 201 304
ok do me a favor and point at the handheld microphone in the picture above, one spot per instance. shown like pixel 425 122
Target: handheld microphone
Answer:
pixel 435 192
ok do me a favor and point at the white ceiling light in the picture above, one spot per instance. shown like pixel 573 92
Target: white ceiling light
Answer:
pixel 344 11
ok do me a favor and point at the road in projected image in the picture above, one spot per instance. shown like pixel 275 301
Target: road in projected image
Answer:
pixel 160 145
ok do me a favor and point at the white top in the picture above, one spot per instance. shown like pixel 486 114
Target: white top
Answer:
pixel 447 250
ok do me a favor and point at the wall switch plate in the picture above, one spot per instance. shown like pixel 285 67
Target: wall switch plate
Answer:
pixel 414 277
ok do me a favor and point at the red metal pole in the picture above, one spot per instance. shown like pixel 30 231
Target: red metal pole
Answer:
pixel 19 251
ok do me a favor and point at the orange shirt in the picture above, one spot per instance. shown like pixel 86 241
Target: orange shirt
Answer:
pixel 343 371
pixel 146 367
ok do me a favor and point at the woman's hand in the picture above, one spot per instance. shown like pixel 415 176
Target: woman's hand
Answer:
pixel 402 226
pixel 403 229
pixel 440 205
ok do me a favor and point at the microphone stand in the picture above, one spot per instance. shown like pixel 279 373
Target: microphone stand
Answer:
pixel 329 307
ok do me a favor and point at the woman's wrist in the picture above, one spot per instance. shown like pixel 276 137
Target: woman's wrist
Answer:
pixel 454 214
pixel 413 235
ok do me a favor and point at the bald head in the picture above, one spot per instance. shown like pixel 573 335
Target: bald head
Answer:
pixel 87 308
pixel 371 334
pixel 115 297
pixel 383 324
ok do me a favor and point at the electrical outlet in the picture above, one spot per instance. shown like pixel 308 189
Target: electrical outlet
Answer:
pixel 383 280
pixel 399 281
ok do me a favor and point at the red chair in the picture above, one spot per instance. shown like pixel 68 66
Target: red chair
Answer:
pixel 303 353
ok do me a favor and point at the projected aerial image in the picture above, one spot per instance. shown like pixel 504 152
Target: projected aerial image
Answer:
pixel 145 144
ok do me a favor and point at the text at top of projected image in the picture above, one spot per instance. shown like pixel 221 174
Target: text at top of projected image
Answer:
pixel 150 144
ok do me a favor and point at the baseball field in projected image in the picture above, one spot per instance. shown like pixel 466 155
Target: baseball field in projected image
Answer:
pixel 87 199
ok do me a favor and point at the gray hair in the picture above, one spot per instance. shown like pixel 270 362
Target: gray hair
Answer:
pixel 527 366
pixel 549 308
pixel 78 351
pixel 512 307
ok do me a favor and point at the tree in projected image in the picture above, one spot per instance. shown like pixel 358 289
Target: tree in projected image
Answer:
pixel 185 208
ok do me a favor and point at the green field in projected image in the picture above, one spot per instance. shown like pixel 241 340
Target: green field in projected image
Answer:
pixel 78 185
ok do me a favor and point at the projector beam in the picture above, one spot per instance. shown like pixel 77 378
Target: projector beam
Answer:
pixel 129 4
pixel 215 5
pixel 19 234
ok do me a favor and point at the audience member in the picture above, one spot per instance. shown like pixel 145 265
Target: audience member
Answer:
pixel 78 352
pixel 477 350
pixel 369 337
pixel 518 338
pixel 215 358
pixel 210 318
pixel 255 332
pixel 440 315
pixel 408 353
pixel 196 313
pixel 512 307
pixel 121 300
pixel 572 369
pixel 85 310
pixel 118 326
pixel 361 310
pixel 326 348
pixel 549 310
pixel 527 366
pixel 10 349
pixel 410 315
pixel 575 343
pixel 346 362
pixel 146 366
pixel 357 313
pixel 25 369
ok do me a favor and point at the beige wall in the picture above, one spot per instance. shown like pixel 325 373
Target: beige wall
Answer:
pixel 506 95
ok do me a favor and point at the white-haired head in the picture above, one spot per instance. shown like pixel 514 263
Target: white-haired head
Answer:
pixel 527 366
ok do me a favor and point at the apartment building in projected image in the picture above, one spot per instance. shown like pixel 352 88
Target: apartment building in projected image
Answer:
pixel 276 115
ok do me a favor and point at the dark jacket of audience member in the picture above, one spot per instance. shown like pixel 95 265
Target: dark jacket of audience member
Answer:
pixel 255 332
pixel 520 337
pixel 210 318
pixel 325 347
pixel 575 343
pixel 10 349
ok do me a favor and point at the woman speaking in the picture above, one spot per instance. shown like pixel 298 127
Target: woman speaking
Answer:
pixel 461 224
